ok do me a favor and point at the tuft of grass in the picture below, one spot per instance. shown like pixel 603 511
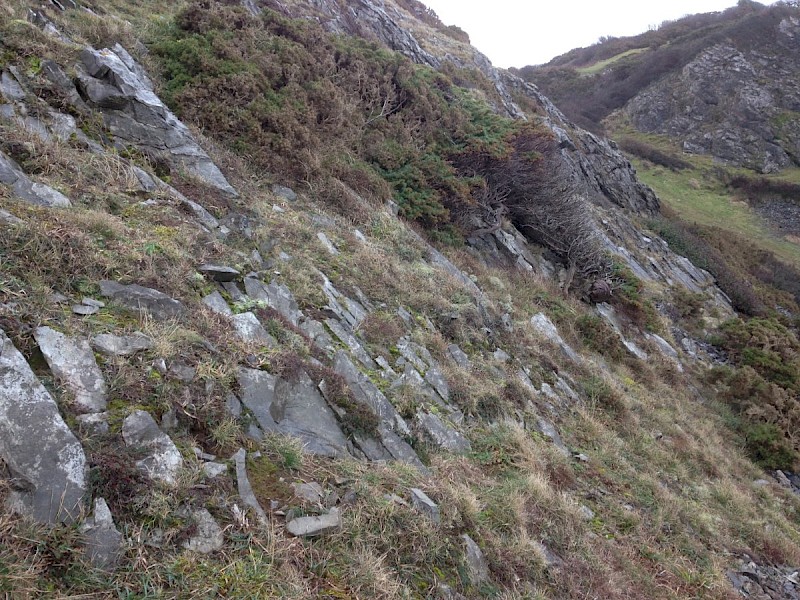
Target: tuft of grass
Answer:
pixel 286 452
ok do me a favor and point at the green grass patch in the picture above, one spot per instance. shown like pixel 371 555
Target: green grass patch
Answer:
pixel 599 66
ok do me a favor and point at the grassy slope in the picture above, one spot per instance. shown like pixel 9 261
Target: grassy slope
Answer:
pixel 708 203
pixel 698 196
pixel 671 492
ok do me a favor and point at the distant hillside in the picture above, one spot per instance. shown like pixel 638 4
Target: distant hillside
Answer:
pixel 723 84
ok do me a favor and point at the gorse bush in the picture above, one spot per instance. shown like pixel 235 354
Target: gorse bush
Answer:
pixel 764 388
pixel 759 189
pixel 307 104
pixel 653 154
pixel 331 110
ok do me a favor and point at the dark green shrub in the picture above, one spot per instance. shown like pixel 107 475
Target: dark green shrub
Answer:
pixel 764 388
pixel 768 447
pixel 629 298
pixel 325 108
pixel 597 335
pixel 653 154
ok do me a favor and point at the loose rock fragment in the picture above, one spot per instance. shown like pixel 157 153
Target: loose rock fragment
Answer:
pixel 72 361
pixel 312 526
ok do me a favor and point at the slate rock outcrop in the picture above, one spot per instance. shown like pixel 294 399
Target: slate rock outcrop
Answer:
pixel 142 299
pixel 25 189
pixel 45 461
pixel 72 362
pixel 111 81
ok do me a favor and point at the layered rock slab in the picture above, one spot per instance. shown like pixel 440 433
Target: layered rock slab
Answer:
pixel 26 189
pixel 142 299
pixel 46 463
pixel 163 460
pixel 72 362
pixel 295 408
pixel 112 82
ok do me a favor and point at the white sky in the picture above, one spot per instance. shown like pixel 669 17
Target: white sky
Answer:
pixel 514 33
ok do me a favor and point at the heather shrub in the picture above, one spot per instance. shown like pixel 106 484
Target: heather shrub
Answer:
pixel 653 154
pixel 764 388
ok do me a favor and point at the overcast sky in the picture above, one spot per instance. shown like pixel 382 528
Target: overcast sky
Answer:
pixel 515 33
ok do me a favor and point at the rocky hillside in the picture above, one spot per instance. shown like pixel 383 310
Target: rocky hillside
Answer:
pixel 722 84
pixel 308 300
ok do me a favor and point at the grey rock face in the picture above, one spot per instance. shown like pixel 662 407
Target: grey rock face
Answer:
pixel 440 434
pixel 104 542
pixel 316 331
pixel 85 311
pixel 209 536
pixel 547 429
pixel 327 243
pixel 301 411
pixel 250 330
pixel 735 104
pixel 389 446
pixel 426 506
pixel 610 315
pixel 45 460
pixel 233 291
pixel 349 312
pixel 121 345
pixel 277 296
pixel 213 469
pixel 547 328
pixel 398 449
pixel 164 460
pixel 217 303
pixel 666 349
pixel 752 580
pixel 309 492
pixel 93 423
pixel 368 394
pixel 313 526
pixel 246 325
pixel 350 340
pixel 258 394
pixel 10 87
pixel 459 356
pixel 295 408
pixel 219 273
pixel 284 192
pixel 9 219
pixel 437 380
pixel 115 84
pixel 373 20
pixel 477 566
pixel 27 190
pixel 143 299
pixel 72 362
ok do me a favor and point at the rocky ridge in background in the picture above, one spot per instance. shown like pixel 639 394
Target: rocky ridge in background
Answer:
pixel 738 106
pixel 720 84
